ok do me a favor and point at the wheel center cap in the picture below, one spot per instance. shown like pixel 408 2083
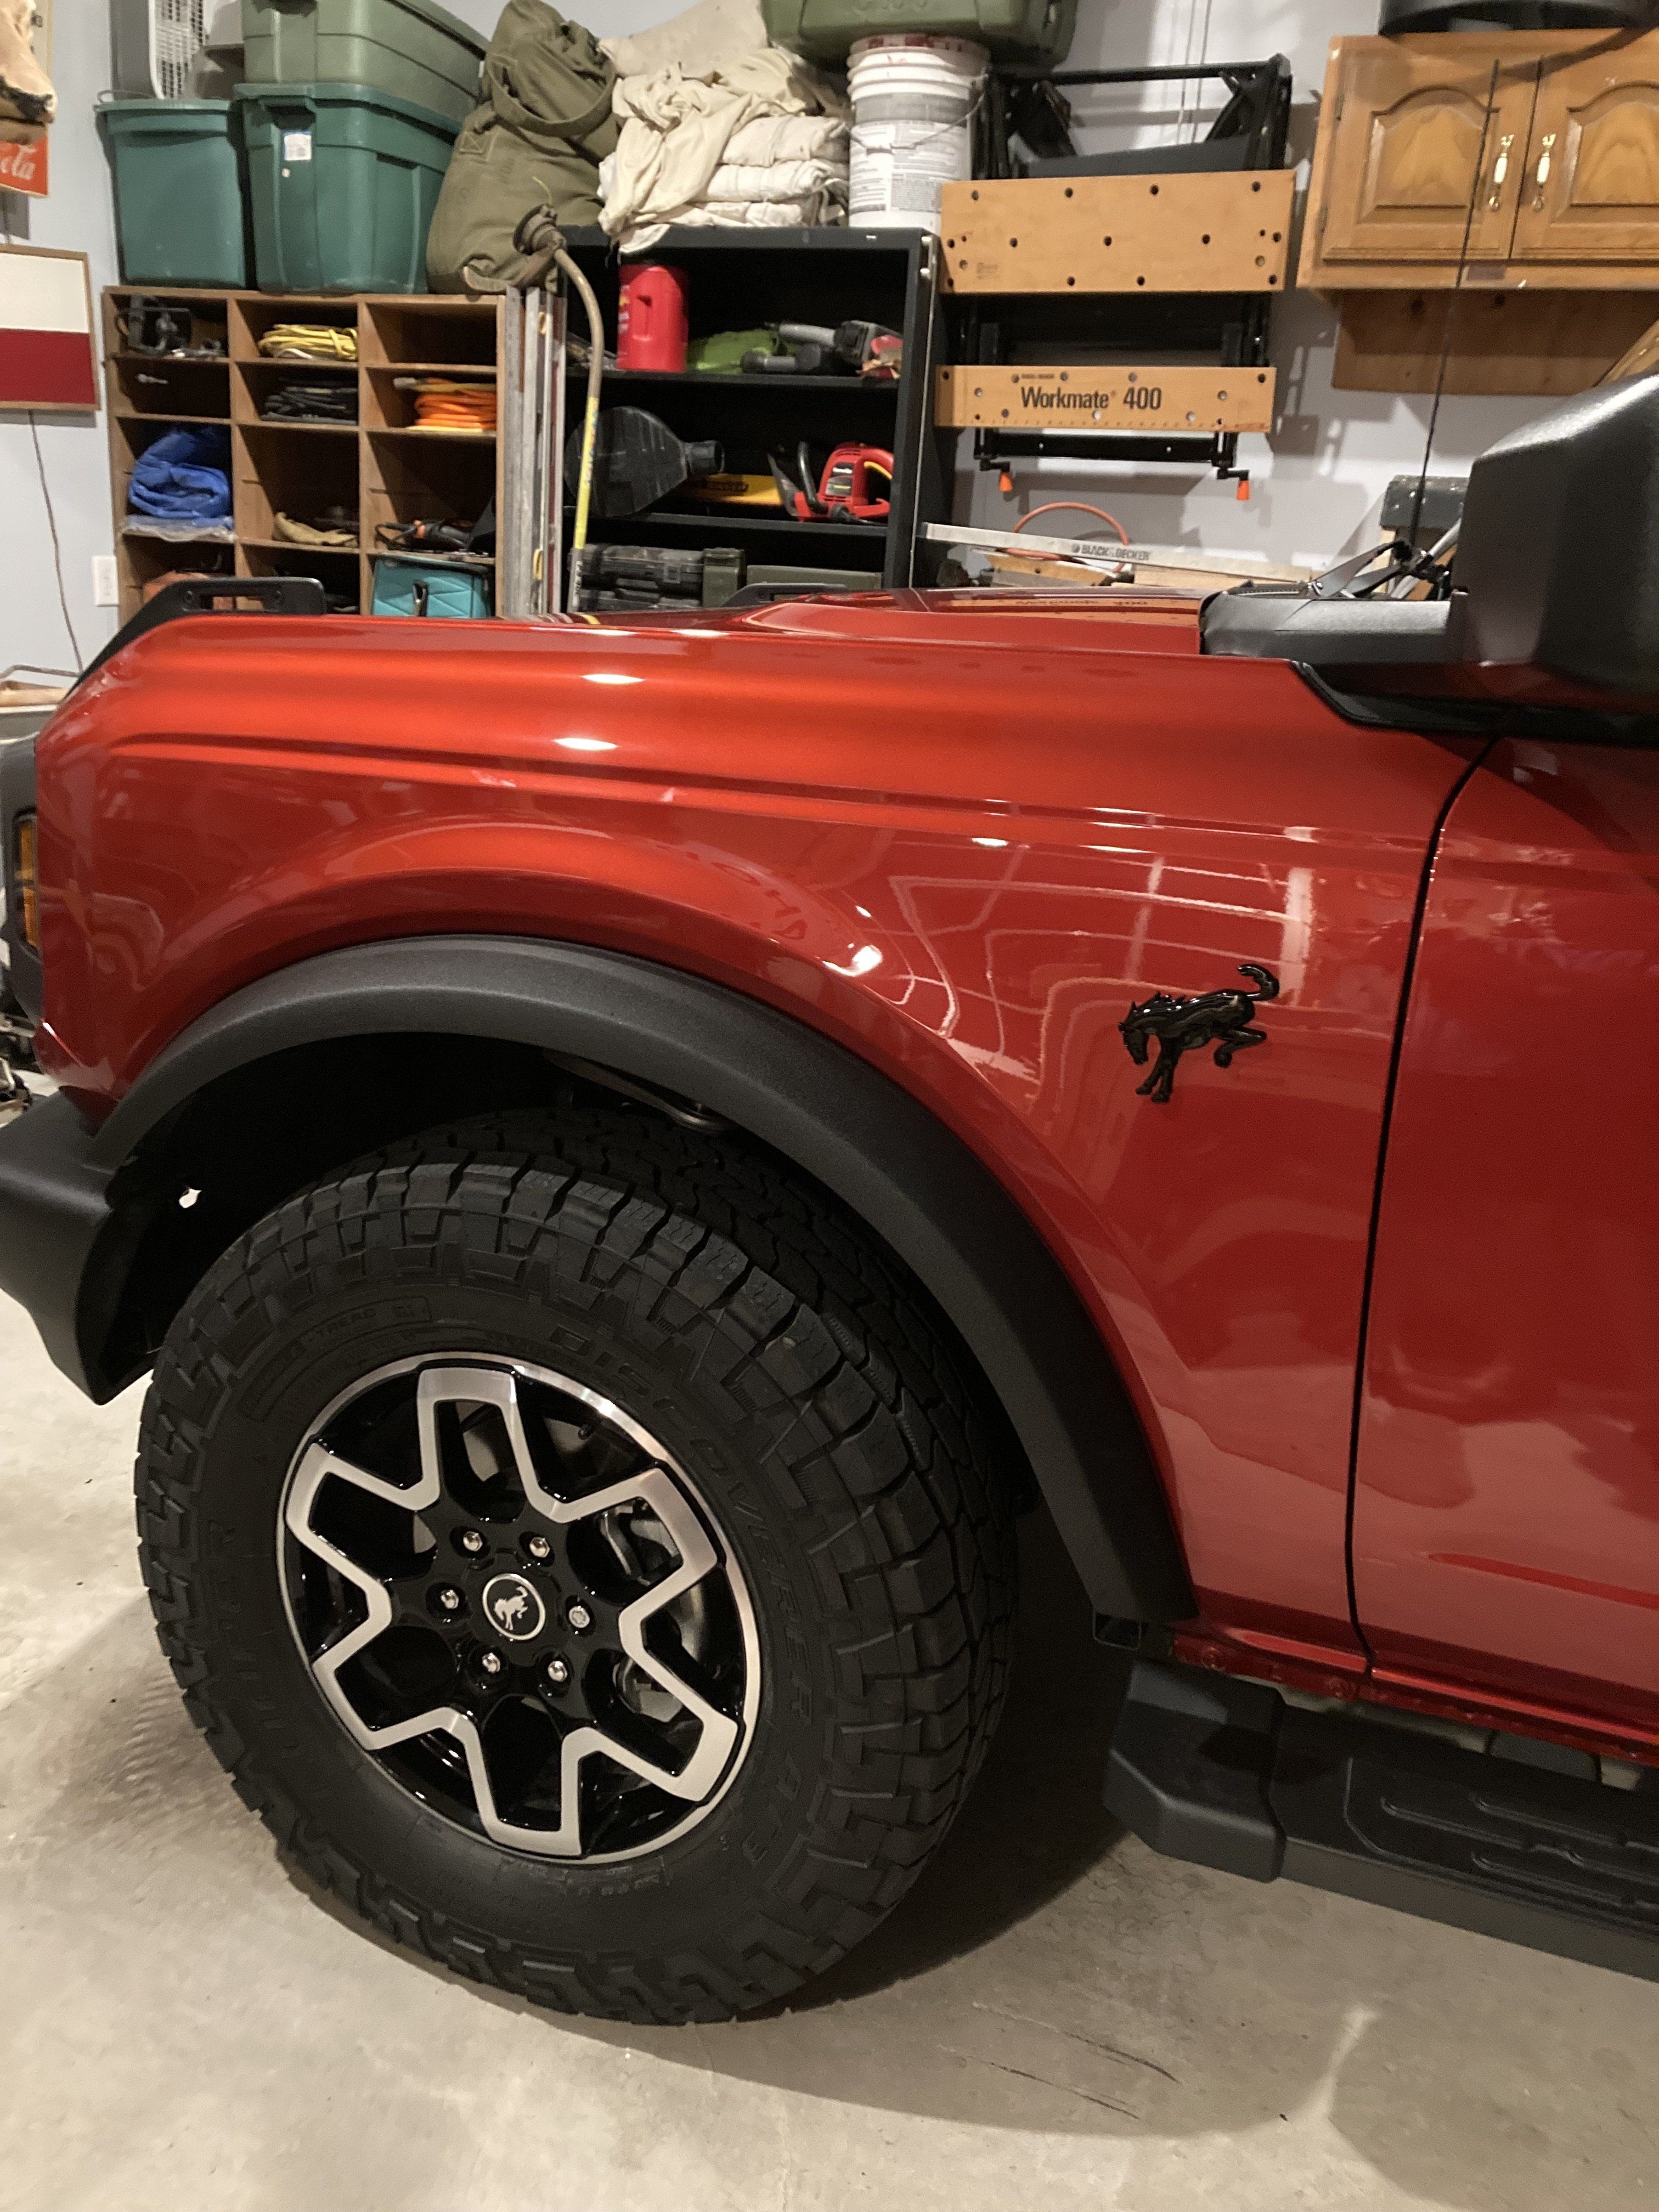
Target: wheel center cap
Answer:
pixel 514 1608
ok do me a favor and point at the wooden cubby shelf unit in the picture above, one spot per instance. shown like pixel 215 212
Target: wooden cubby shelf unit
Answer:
pixel 383 468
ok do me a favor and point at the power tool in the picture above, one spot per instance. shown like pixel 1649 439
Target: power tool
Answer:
pixel 868 349
pixel 843 493
pixel 637 461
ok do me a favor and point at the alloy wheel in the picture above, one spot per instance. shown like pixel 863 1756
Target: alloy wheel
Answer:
pixel 515 1599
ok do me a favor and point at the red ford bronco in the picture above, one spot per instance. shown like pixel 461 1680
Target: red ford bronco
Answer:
pixel 633 1152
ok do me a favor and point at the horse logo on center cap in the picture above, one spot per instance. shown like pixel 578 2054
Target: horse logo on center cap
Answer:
pixel 513 1608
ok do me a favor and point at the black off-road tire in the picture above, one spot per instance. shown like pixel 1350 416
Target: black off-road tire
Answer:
pixel 839 1438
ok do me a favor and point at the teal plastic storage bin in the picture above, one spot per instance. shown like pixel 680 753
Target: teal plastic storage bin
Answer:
pixel 342 182
pixel 408 50
pixel 180 212
pixel 1014 30
pixel 443 590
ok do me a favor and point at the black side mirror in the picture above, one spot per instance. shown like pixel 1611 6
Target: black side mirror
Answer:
pixel 1558 561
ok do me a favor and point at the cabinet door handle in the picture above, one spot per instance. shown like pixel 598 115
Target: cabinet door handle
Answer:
pixel 1542 176
pixel 1500 168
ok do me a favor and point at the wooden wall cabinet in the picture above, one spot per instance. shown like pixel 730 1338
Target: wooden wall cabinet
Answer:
pixel 1590 189
pixel 1563 173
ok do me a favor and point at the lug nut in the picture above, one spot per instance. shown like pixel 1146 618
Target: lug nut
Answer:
pixel 471 1543
pixel 579 1617
pixel 447 1599
pixel 538 1548
pixel 557 1672
pixel 490 1662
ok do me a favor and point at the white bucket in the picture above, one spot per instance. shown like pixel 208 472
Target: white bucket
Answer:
pixel 912 99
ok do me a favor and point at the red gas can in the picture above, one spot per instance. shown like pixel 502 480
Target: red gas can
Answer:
pixel 651 326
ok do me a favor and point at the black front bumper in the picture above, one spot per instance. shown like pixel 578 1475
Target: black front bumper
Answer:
pixel 64 1249
pixel 21 961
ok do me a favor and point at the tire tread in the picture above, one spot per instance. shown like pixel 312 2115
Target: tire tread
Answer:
pixel 881 1451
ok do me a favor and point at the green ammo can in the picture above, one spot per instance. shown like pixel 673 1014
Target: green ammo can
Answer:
pixel 410 50
pixel 177 171
pixel 1014 30
pixel 341 183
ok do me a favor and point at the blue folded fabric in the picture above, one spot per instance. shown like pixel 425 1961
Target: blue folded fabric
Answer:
pixel 186 473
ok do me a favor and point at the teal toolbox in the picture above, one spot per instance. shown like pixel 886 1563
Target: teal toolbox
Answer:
pixel 176 168
pixel 341 183
pixel 443 590
pixel 412 50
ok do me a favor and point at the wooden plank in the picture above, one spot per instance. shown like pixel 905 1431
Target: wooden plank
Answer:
pixel 1181 583
pixel 1525 344
pixel 1195 401
pixel 1639 359
pixel 1167 234
pixel 1335 280
pixel 1229 568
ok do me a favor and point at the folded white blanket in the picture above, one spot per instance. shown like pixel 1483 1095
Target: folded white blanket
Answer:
pixel 777 181
pixel 677 125
pixel 789 138
pixel 753 214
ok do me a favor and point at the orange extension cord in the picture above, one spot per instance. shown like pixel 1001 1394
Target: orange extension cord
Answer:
pixel 439 405
pixel 1076 506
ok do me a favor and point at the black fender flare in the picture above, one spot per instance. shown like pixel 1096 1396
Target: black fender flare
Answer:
pixel 879 1150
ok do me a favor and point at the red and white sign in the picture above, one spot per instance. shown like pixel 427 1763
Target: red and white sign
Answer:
pixel 23 170
pixel 46 329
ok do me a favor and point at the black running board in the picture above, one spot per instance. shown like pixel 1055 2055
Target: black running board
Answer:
pixel 1227 1773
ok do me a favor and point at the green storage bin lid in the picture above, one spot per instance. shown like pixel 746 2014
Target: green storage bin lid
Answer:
pixel 343 24
pixel 410 49
pixel 343 96
pixel 441 19
pixel 129 115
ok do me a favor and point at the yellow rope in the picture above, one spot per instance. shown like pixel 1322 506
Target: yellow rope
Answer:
pixel 310 342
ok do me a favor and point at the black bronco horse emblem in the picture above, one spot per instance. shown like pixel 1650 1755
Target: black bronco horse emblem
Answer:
pixel 1180 1024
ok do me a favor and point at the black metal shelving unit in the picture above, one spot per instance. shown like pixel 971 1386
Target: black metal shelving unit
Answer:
pixel 739 279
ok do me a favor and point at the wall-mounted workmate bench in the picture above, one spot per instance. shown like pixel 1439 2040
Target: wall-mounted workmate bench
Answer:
pixel 1117 308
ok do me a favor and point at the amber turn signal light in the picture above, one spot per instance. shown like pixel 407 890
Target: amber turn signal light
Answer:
pixel 26 881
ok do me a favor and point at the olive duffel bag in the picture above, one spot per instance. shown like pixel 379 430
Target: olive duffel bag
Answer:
pixel 538 140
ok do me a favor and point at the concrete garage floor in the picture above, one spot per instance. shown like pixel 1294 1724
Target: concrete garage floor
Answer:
pixel 1056 2018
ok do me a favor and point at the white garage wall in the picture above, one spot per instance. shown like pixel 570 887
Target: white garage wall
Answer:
pixel 1316 480
pixel 74 449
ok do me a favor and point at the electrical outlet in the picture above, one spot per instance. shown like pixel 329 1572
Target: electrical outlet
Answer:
pixel 106 586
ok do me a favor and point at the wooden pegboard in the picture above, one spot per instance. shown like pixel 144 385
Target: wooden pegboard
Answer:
pixel 1189 402
pixel 1165 233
